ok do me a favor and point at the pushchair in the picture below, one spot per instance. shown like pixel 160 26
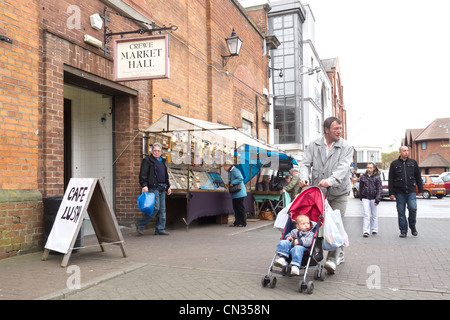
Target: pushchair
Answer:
pixel 310 202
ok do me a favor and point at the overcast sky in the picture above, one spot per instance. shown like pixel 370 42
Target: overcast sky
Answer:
pixel 394 57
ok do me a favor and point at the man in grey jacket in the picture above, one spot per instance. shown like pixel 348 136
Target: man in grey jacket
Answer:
pixel 327 161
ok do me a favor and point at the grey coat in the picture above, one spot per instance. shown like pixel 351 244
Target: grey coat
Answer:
pixel 335 168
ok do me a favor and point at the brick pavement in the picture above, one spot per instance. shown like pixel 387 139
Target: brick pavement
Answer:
pixel 215 262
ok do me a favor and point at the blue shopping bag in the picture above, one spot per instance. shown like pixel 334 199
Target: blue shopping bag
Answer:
pixel 146 202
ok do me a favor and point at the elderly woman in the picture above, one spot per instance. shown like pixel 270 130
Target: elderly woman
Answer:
pixel 235 178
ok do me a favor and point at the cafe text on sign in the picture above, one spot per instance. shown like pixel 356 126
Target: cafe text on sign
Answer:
pixel 82 196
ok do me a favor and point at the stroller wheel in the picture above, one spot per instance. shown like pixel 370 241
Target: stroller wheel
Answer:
pixel 273 282
pixel 302 286
pixel 310 287
pixel 265 281
pixel 318 274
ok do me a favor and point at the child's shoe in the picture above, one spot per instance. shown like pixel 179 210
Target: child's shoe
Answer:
pixel 295 271
pixel 280 262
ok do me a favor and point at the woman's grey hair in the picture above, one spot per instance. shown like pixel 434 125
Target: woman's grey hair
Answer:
pixel 156 144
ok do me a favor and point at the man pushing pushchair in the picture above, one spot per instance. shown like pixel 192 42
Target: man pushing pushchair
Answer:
pixel 327 163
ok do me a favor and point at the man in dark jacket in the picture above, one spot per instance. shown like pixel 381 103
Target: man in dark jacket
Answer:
pixel 404 176
pixel 153 177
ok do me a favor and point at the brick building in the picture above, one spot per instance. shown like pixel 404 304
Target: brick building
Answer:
pixel 338 105
pixel 63 116
pixel 430 147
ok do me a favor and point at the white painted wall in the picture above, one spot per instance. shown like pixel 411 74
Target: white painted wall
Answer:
pixel 92 144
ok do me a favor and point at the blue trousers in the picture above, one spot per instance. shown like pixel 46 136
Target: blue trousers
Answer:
pixel 159 211
pixel 284 249
pixel 403 200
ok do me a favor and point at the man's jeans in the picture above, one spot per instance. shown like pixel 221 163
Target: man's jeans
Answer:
pixel 159 211
pixel 403 200
pixel 284 248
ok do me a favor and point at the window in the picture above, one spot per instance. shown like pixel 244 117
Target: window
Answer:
pixel 287 94
pixel 247 126
pixel 360 156
pixel 285 115
pixel 424 145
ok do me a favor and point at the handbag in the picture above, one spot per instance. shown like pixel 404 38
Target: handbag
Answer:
pixel 266 215
pixel 235 188
pixel 146 202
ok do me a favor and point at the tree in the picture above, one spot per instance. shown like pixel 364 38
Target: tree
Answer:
pixel 387 158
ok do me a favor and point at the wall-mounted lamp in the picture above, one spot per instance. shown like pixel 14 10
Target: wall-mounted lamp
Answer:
pixel 234 44
pixel 311 71
pixel 280 74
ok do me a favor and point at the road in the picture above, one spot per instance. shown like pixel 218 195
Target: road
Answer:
pixel 426 208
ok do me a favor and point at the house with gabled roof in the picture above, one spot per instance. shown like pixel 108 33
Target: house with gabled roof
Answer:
pixel 430 147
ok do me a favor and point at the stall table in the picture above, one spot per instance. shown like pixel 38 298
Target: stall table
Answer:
pixel 261 197
pixel 206 203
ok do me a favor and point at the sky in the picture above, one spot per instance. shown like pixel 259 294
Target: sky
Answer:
pixel 394 57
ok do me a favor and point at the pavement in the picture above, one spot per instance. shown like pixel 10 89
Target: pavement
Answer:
pixel 216 262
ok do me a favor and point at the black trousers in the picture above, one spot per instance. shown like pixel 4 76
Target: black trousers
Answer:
pixel 240 218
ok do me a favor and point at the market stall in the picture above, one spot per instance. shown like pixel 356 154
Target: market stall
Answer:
pixel 195 151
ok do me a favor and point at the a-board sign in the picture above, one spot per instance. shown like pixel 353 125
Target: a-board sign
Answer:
pixel 83 195
pixel 68 217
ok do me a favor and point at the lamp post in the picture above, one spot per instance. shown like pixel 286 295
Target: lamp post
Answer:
pixel 234 44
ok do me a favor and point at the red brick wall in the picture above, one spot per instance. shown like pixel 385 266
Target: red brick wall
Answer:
pixel 31 99
pixel 20 223
pixel 439 146
pixel 18 95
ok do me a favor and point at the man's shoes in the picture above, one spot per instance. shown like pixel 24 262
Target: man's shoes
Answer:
pixel 295 271
pixel 330 266
pixel 414 231
pixel 162 233
pixel 280 262
pixel 140 232
pixel 403 235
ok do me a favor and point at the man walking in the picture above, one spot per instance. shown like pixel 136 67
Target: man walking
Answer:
pixel 404 176
pixel 328 160
pixel 153 177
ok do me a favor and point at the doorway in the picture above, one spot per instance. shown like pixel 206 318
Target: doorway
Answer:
pixel 88 128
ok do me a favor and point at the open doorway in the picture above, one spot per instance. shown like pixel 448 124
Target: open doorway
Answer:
pixel 88 128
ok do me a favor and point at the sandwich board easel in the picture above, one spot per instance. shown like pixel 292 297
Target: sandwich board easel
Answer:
pixel 82 195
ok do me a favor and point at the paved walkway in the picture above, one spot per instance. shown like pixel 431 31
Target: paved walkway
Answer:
pixel 215 262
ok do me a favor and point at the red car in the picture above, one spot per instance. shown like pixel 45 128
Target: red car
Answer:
pixel 446 178
pixel 432 186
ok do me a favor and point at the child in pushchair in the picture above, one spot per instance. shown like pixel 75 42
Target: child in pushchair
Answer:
pixel 309 203
pixel 295 243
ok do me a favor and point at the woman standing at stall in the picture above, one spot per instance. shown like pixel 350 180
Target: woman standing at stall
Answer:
pixel 370 194
pixel 236 187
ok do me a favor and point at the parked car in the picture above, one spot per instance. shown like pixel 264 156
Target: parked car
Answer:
pixel 432 186
pixel 355 189
pixel 446 178
pixel 384 175
pixel 385 183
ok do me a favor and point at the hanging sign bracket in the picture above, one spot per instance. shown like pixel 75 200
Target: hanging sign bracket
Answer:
pixel 108 34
